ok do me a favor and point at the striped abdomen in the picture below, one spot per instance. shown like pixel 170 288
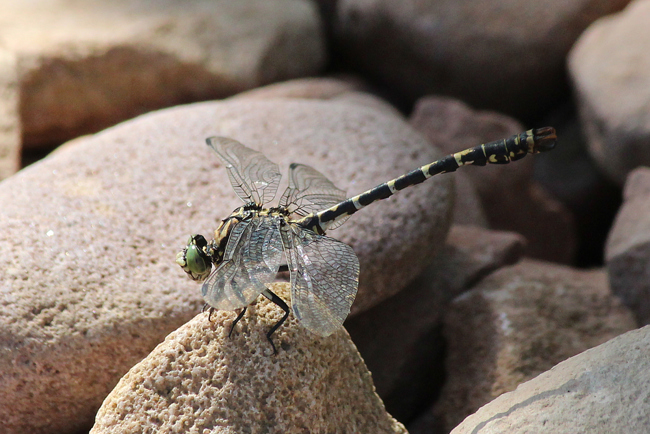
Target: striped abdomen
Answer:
pixel 497 152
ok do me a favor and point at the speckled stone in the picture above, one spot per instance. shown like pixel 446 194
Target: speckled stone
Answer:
pixel 88 237
pixel 200 381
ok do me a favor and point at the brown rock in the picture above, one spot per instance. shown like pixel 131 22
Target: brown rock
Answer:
pixel 628 246
pixel 506 55
pixel 88 237
pixel 610 69
pixel 9 120
pixel 91 64
pixel 198 380
pixel 510 198
pixel 603 390
pixel 399 338
pixel 518 323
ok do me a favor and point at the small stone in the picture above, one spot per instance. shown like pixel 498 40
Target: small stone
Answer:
pixel 200 381
pixel 602 390
pixel 610 69
pixel 518 323
pixel 628 246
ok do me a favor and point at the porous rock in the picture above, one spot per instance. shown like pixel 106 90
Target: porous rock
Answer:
pixel 603 390
pixel 86 65
pixel 628 246
pixel 510 198
pixel 199 380
pixel 516 324
pixel 610 71
pixel 508 55
pixel 400 338
pixel 88 237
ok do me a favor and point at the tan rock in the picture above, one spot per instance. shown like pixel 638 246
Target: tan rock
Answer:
pixel 303 88
pixel 399 339
pixel 198 380
pixel 88 237
pixel 603 390
pixel 628 246
pixel 610 69
pixel 9 119
pixel 83 66
pixel 510 198
pixel 518 323
pixel 507 55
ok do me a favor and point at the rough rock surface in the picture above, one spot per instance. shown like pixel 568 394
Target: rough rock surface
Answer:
pixel 518 323
pixel 89 235
pixel 603 390
pixel 399 339
pixel 199 381
pixel 510 198
pixel 85 65
pixel 9 119
pixel 508 55
pixel 628 246
pixel 610 68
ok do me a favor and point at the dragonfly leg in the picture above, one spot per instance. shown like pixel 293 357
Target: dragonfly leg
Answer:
pixel 210 309
pixel 278 301
pixel 234 323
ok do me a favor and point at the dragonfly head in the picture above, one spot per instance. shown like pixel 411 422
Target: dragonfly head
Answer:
pixel 195 259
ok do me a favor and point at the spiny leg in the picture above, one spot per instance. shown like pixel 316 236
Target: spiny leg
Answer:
pixel 278 301
pixel 210 309
pixel 234 323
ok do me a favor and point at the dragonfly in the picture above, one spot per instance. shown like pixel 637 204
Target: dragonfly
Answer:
pixel 254 243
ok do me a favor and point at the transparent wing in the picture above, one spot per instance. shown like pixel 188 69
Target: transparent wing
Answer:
pixel 309 191
pixel 251 260
pixel 324 278
pixel 253 176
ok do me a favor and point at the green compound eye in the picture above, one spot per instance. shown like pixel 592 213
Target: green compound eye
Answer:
pixel 194 260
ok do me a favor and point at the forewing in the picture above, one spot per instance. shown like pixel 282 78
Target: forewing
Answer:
pixel 309 191
pixel 246 267
pixel 324 279
pixel 253 176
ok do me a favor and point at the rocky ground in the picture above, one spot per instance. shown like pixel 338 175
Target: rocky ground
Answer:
pixel 500 299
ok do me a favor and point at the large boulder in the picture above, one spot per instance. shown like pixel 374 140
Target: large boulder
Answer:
pixel 88 237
